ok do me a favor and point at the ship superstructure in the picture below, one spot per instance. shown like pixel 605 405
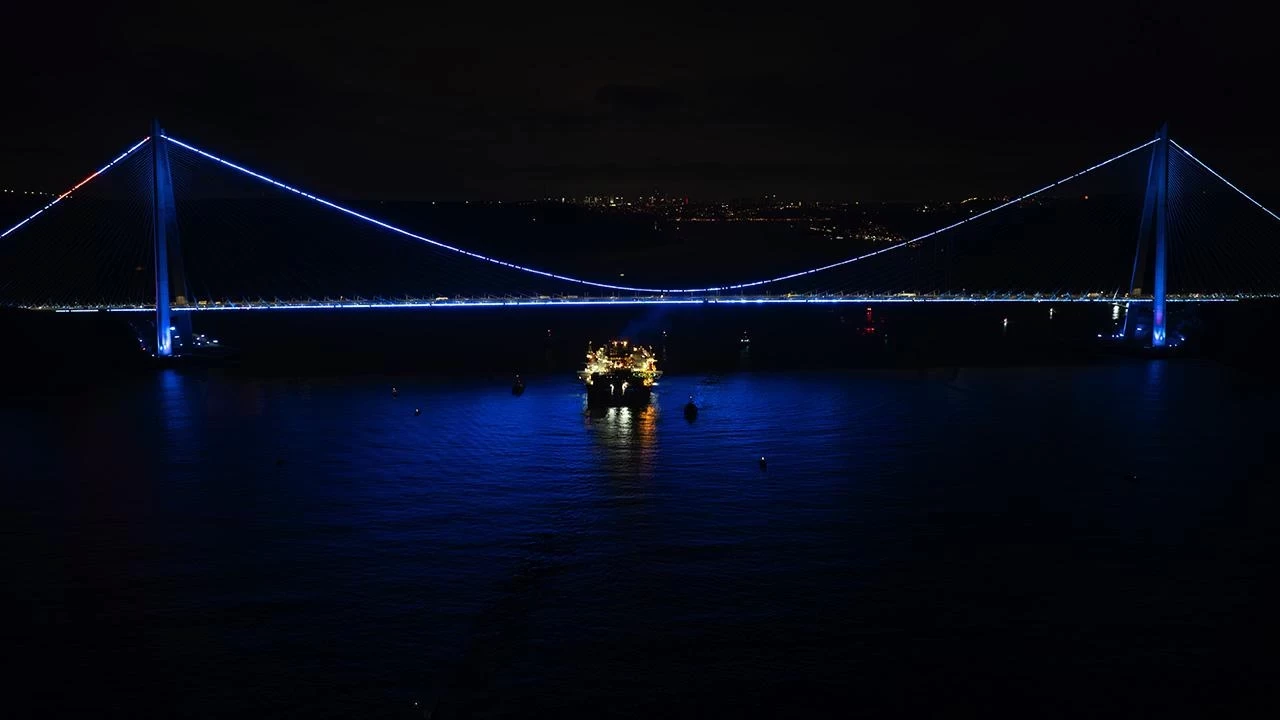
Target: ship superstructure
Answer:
pixel 620 373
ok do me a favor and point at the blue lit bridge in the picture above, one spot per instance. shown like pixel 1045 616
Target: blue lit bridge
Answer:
pixel 170 229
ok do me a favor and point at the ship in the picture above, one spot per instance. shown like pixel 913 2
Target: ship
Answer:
pixel 619 373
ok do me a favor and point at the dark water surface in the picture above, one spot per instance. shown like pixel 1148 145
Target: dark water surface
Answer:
pixel 200 545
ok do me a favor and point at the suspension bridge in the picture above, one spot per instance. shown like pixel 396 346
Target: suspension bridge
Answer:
pixel 172 230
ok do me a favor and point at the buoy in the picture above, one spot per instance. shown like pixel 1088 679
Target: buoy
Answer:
pixel 690 409
pixel 763 463
pixel 395 392
pixel 417 412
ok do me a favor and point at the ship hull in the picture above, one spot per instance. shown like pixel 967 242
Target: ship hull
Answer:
pixel 617 390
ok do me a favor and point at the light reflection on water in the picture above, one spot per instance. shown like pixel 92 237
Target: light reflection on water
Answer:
pixel 312 547
pixel 627 436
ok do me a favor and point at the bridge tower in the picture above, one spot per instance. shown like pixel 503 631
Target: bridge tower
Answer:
pixel 1153 241
pixel 168 252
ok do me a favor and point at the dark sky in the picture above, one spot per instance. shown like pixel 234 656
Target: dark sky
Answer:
pixel 436 102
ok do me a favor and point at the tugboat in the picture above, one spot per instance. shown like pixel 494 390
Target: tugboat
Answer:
pixel 619 374
pixel 690 410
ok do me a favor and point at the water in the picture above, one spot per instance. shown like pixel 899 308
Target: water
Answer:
pixel 205 546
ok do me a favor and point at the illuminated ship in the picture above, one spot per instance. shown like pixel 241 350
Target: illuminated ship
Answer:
pixel 620 373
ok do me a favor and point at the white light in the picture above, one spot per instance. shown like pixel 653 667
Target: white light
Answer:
pixel 77 186
pixel 608 286
pixel 654 300
pixel 1228 182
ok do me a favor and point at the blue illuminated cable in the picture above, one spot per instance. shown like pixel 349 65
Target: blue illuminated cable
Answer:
pixel 76 187
pixel 627 288
pixel 1204 258
pixel 1229 184
pixel 930 234
pixel 406 233
pixel 1253 269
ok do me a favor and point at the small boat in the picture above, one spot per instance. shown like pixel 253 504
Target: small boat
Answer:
pixel 690 409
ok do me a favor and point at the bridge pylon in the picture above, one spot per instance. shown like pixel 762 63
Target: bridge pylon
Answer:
pixel 168 251
pixel 1151 255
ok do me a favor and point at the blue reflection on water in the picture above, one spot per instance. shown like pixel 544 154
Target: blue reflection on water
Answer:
pixel 310 546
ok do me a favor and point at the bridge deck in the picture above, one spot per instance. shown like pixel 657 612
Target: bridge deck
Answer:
pixel 609 301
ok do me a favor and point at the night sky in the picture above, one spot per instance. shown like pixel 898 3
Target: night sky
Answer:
pixel 433 102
